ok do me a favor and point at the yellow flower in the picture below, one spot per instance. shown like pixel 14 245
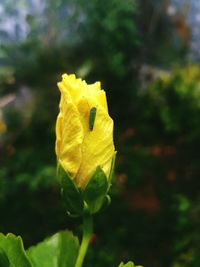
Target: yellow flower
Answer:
pixel 79 147
pixel 3 127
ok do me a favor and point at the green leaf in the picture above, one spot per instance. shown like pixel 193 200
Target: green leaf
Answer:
pixel 128 264
pixel 71 195
pixel 95 191
pixel 59 250
pixel 12 252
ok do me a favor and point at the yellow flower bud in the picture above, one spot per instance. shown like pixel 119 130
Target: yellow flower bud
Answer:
pixel 83 142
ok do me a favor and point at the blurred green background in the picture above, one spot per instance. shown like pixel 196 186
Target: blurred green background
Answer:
pixel 146 54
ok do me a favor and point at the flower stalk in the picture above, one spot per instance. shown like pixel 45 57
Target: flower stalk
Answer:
pixel 87 233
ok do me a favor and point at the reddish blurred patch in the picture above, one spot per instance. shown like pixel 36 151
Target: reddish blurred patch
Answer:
pixel 182 28
pixel 93 239
pixel 144 199
pixel 169 150
pixel 171 176
pixel 156 150
pixel 121 179
pixel 129 132
pixel 162 150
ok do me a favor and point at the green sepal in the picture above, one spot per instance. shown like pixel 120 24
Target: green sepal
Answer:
pixel 106 203
pixel 95 191
pixel 72 197
pixel 112 169
pixel 12 252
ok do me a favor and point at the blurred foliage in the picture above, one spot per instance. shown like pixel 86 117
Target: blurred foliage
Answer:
pixel 168 134
pixel 155 211
pixel 165 37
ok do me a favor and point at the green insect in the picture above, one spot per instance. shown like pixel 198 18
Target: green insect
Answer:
pixel 93 112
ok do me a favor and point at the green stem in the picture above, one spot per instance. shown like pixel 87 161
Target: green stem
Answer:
pixel 87 232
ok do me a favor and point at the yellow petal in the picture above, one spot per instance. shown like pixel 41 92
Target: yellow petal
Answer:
pixel 94 86
pixel 58 134
pixel 97 146
pixel 101 98
pixel 76 87
pixel 69 134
